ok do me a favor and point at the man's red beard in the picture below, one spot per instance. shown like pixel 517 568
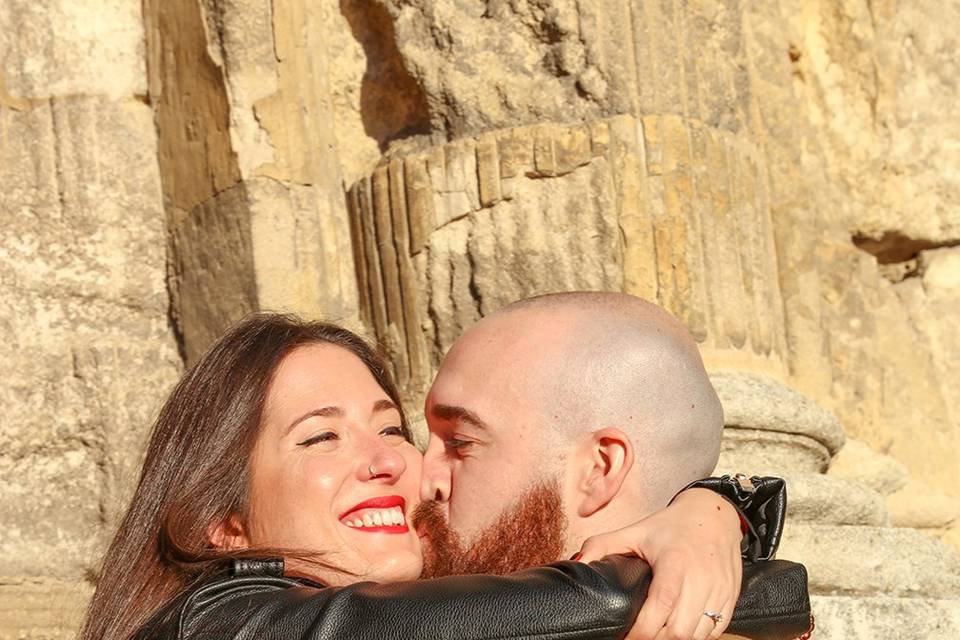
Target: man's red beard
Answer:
pixel 528 534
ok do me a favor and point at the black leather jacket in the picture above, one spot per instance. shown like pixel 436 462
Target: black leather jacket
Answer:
pixel 567 600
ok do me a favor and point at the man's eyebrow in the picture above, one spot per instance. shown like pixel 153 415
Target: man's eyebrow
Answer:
pixel 337 412
pixel 453 413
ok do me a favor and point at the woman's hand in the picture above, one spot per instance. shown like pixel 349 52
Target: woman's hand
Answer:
pixel 693 547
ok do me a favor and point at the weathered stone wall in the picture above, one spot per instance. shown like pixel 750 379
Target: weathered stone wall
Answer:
pixel 780 175
pixel 87 347
pixel 842 109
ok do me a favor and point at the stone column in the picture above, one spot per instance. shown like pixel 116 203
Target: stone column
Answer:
pixel 677 212
pixel 249 163
pixel 867 578
pixel 662 207
pixel 87 348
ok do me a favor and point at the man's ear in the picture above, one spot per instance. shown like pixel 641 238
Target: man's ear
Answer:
pixel 228 534
pixel 607 459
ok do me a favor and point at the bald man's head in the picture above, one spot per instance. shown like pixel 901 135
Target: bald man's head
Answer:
pixel 601 393
pixel 621 361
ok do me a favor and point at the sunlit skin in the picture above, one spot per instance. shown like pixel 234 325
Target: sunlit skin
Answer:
pixel 326 425
pixel 495 418
pixel 498 431
pixel 331 452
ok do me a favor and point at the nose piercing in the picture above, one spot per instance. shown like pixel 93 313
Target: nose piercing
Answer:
pixel 370 470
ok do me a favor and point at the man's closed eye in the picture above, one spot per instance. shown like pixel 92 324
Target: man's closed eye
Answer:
pixel 456 445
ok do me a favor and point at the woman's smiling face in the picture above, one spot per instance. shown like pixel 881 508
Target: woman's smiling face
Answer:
pixel 333 472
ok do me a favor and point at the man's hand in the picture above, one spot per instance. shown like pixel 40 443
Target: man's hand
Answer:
pixel 693 547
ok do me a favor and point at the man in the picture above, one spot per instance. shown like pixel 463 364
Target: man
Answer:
pixel 595 409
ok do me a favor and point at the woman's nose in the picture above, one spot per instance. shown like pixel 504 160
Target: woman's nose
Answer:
pixel 382 462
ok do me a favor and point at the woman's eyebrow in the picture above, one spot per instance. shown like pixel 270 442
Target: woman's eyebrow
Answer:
pixel 337 412
pixel 384 405
pixel 323 412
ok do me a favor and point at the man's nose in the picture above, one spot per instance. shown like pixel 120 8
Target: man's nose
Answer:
pixel 382 462
pixel 435 477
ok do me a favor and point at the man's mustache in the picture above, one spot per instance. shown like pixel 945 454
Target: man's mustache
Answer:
pixel 442 549
pixel 428 516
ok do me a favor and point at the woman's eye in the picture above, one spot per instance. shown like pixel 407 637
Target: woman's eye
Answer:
pixel 326 436
pixel 395 432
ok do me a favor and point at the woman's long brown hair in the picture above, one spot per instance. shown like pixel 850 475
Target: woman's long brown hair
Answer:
pixel 196 470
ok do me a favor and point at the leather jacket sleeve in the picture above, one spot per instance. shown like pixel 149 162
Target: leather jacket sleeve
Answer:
pixel 569 600
pixel 566 600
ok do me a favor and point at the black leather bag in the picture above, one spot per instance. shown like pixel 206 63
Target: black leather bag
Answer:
pixel 762 501
pixel 774 601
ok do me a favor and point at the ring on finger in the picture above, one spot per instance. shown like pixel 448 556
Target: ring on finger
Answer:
pixel 716 616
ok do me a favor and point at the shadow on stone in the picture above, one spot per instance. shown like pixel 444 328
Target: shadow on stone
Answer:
pixel 392 104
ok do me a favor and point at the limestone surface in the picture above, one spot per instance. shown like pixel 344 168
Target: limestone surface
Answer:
pixel 73 47
pixel 861 560
pixel 858 462
pixel 87 344
pixel 761 452
pixel 826 499
pixel 783 177
pixel 759 402
pixel 858 618
pixel 879 77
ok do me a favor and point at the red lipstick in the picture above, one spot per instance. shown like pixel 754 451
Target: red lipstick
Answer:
pixel 382 502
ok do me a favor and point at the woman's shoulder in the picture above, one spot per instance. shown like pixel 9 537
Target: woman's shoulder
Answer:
pixel 225 606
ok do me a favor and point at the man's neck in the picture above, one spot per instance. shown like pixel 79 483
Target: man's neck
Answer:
pixel 612 517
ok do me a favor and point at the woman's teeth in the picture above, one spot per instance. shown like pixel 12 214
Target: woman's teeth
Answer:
pixel 377 518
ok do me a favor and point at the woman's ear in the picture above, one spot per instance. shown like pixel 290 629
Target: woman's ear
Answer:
pixel 228 534
pixel 607 459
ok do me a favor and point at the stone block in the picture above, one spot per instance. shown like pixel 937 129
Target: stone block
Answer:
pixel 921 506
pixel 868 561
pixel 62 48
pixel 483 91
pixel 572 148
pixel 757 452
pixel 858 462
pixel 516 147
pixel 823 499
pixel 461 192
pixel 867 618
pixel 189 95
pixel 419 202
pixel 87 211
pixel 622 141
pixel 212 281
pixel 893 177
pixel 49 514
pixel 488 171
pixel 719 215
pixel 243 43
pixel 42 609
pixel 87 339
pixel 753 401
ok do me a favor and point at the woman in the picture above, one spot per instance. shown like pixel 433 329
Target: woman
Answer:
pixel 264 450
